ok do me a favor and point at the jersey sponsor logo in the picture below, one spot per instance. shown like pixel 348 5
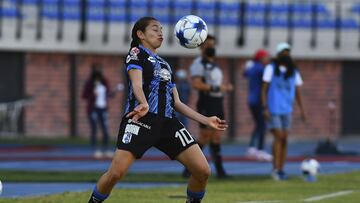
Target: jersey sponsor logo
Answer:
pixel 140 123
pixel 130 130
pixel 133 129
pixel 163 74
pixel 133 55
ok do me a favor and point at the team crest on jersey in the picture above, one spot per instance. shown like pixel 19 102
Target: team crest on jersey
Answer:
pixel 127 138
pixel 164 74
pixel 133 55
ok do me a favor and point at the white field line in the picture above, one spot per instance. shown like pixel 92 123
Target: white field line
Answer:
pixel 265 201
pixel 328 196
pixel 310 199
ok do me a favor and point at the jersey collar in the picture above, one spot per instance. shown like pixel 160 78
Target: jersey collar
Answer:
pixel 147 51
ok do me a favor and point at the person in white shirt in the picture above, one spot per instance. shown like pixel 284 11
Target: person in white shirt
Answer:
pixel 96 92
pixel 281 86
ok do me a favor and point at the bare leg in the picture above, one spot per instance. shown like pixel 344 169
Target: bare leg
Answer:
pixel 203 139
pixel 277 148
pixel 283 148
pixel 194 160
pixel 120 164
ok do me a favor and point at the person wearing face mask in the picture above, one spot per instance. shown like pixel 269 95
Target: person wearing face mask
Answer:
pixel 281 86
pixel 207 78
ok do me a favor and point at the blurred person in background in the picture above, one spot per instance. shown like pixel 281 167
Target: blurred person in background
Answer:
pixel 97 92
pixel 184 89
pixel 281 86
pixel 254 70
pixel 207 78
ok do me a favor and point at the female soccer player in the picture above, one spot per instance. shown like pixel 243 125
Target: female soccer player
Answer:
pixel 150 116
pixel 281 86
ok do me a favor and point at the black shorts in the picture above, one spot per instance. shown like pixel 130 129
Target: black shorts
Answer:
pixel 210 106
pixel 166 134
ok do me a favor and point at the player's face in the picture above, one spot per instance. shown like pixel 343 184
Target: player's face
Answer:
pixel 152 37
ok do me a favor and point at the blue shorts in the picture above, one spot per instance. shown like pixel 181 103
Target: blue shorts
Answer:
pixel 279 121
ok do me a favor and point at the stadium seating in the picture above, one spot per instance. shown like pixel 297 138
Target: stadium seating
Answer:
pixel 228 13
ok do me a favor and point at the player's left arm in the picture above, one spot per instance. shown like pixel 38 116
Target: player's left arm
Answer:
pixel 212 121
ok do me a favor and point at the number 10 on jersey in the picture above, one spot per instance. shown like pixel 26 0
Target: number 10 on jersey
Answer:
pixel 184 137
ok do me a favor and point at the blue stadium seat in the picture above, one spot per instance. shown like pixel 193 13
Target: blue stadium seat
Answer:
pixel 302 8
pixel 302 23
pixel 256 8
pixel 253 21
pixel 139 3
pixel 229 7
pixel 161 4
pixel 326 23
pixel 10 12
pixel 117 10
pixel 94 3
pixel 356 8
pixel 71 9
pixel 50 9
pixel 183 4
pixel 349 23
pixel 201 5
pixel 279 8
pixel 279 22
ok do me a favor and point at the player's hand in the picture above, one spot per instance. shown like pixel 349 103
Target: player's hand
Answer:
pixel 138 112
pixel 217 123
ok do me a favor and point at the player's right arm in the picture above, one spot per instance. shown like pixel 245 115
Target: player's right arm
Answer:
pixel 136 85
pixel 134 67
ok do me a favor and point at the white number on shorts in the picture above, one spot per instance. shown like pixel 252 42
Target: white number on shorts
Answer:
pixel 184 137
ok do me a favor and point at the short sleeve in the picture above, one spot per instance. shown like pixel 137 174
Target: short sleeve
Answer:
pixel 298 79
pixel 197 69
pixel 268 73
pixel 134 60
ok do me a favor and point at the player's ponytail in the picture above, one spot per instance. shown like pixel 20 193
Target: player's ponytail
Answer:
pixel 141 24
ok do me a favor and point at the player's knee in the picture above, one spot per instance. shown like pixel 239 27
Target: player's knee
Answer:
pixel 115 175
pixel 203 174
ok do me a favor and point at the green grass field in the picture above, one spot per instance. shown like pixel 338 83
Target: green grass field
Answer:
pixel 238 189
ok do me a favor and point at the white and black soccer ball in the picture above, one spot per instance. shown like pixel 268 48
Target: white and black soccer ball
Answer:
pixel 310 169
pixel 191 31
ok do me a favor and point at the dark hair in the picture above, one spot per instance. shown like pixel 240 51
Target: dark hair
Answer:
pixel 288 63
pixel 96 73
pixel 211 37
pixel 140 24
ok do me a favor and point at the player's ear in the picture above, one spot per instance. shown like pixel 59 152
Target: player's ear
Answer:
pixel 140 34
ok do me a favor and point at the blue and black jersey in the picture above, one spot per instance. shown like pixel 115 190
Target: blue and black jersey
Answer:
pixel 158 81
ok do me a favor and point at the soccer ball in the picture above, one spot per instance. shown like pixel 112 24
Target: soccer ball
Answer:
pixel 310 168
pixel 191 31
